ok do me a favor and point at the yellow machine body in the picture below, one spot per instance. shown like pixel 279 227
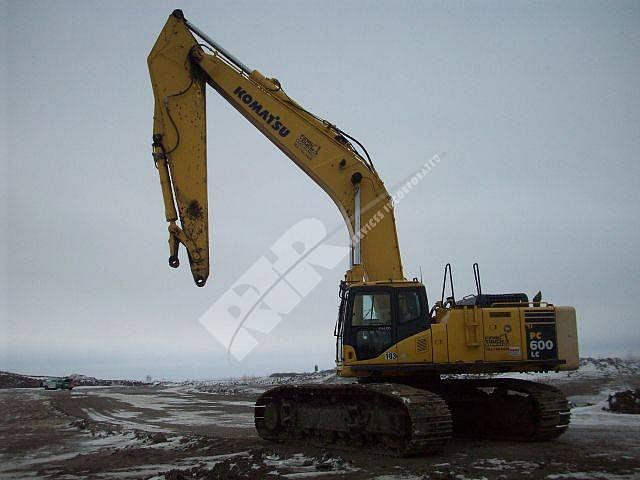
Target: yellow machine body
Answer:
pixel 472 339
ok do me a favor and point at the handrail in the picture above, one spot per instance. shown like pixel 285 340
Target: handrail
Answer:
pixel 447 267
pixel 476 276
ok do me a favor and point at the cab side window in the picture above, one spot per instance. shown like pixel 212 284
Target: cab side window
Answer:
pixel 409 309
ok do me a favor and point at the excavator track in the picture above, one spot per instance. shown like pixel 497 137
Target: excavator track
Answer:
pixel 390 419
pixel 505 409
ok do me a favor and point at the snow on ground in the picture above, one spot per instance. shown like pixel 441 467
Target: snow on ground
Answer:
pixel 595 415
pixel 593 476
pixel 102 417
pixel 189 403
pixel 182 464
pixel 183 403
pixel 149 402
pixel 399 476
pixel 589 368
pixel 301 466
pixel 173 406
pixel 88 444
pixel 297 466
pixel 498 464
pixel 253 386
pixel 209 417
pixel 239 403
pixel 124 414
pixel 175 417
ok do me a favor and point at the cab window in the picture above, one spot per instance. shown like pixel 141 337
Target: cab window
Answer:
pixel 408 307
pixel 371 309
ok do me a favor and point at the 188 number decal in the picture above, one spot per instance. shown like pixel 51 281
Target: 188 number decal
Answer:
pixel 391 356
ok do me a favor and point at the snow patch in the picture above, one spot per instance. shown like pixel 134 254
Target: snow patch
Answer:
pixel 99 417
pixel 594 415
pixel 500 464
pixel 399 476
pixel 593 476
pixel 302 466
pixel 236 403
pixel 143 401
pixel 152 470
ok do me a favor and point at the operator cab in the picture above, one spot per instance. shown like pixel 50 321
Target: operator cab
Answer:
pixel 373 318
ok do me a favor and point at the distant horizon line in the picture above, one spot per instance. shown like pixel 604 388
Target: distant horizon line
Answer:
pixel 627 358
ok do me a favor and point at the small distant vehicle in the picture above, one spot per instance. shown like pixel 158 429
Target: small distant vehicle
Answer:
pixel 58 384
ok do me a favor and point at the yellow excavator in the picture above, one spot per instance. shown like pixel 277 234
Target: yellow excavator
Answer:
pixel 404 355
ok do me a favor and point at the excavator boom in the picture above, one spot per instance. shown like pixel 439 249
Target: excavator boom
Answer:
pixel 180 67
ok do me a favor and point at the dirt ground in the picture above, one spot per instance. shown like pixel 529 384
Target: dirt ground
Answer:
pixel 176 432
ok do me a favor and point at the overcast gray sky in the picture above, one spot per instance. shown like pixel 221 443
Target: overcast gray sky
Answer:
pixel 536 105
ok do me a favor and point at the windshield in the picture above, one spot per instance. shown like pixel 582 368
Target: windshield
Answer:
pixel 371 309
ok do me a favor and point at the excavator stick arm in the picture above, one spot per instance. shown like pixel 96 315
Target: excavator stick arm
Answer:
pixel 179 144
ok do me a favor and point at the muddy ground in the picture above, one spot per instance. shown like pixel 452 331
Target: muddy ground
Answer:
pixel 179 431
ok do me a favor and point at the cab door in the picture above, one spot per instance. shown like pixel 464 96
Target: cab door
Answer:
pixel 369 328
